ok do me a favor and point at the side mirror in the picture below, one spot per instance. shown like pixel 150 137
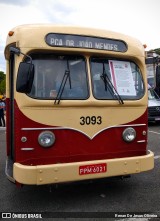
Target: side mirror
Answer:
pixel 25 77
pixel 158 76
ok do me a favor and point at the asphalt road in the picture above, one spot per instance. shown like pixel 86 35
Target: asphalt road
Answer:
pixel 103 198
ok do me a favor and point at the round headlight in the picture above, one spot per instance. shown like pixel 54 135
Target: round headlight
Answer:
pixel 46 139
pixel 129 134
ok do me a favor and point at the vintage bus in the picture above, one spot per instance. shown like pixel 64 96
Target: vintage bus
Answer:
pixel 76 105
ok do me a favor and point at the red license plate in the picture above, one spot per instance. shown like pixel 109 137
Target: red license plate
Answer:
pixel 93 168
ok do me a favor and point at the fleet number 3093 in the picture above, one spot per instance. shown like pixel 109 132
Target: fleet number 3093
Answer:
pixel 90 120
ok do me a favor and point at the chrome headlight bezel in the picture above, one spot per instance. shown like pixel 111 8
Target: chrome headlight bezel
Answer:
pixel 129 134
pixel 46 139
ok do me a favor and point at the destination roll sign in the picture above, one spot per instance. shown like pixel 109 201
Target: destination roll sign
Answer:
pixel 77 41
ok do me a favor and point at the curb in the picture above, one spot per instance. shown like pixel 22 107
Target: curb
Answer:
pixel 2 128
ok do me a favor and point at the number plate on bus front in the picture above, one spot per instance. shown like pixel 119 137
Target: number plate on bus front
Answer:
pixel 93 168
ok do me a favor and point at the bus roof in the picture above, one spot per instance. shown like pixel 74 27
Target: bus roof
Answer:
pixel 35 34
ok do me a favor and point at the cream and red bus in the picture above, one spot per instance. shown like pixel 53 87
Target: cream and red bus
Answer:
pixel 76 105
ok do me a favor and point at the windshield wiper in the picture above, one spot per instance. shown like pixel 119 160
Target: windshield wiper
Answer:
pixel 62 85
pixel 108 85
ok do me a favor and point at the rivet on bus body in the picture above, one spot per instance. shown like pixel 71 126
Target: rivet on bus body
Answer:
pixel 125 171
pixel 56 179
pixel 144 132
pixel 137 162
pixel 125 163
pixel 40 179
pixel 55 169
pixel 40 171
pixel 23 139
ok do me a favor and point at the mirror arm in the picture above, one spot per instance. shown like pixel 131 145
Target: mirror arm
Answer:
pixel 18 52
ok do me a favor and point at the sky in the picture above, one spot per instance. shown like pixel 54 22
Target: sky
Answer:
pixel 137 18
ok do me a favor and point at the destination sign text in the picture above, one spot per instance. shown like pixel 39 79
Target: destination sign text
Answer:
pixel 77 41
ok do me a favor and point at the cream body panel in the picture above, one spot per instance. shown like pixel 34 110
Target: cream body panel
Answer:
pixel 135 47
pixel 69 117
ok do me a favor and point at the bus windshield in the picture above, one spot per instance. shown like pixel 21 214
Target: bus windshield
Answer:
pixel 49 73
pixel 124 76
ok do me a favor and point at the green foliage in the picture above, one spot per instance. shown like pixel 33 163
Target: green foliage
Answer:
pixel 157 50
pixel 2 83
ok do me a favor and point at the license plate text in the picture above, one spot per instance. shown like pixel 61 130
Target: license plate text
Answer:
pixel 91 169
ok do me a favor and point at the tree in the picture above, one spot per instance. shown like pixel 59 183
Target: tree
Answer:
pixel 157 50
pixel 2 83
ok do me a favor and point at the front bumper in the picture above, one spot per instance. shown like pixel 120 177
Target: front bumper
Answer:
pixel 66 172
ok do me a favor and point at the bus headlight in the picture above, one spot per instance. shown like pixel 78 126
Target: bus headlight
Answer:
pixel 129 134
pixel 46 139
